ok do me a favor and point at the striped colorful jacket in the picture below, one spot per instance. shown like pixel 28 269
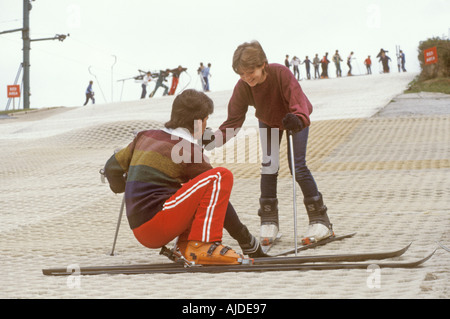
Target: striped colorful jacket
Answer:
pixel 156 163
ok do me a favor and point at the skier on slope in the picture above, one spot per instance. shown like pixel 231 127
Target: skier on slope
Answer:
pixel 144 83
pixel 337 62
pixel 175 78
pixel 89 93
pixel 316 63
pixel 349 63
pixel 368 64
pixel 324 62
pixel 307 62
pixel 161 78
pixel 384 59
pixel 295 62
pixel 206 74
pixel 280 104
pixel 171 189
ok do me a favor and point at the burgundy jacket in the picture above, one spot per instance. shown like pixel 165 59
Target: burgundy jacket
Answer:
pixel 278 95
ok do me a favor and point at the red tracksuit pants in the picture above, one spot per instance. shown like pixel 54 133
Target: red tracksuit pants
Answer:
pixel 195 212
pixel 174 86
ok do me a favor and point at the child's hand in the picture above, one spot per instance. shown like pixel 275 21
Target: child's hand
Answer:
pixel 208 139
pixel 292 123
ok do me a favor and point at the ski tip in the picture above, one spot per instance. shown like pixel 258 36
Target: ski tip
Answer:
pixel 443 247
pixel 423 260
pixel 430 255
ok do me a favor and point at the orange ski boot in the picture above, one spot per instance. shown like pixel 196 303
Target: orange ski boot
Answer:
pixel 202 253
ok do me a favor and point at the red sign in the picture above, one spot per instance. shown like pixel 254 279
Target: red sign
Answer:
pixel 430 55
pixel 13 91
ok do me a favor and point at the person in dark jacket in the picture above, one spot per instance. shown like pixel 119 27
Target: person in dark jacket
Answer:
pixel 280 105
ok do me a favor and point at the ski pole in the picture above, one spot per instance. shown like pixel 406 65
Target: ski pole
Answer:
pixel 294 189
pixel 118 225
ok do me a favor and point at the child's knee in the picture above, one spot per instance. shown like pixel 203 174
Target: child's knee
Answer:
pixel 225 173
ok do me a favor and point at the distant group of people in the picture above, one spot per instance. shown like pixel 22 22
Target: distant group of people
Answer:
pixel 295 62
pixel 318 63
pixel 161 77
pixel 384 59
pixel 205 74
pixel 337 62
pixel 204 71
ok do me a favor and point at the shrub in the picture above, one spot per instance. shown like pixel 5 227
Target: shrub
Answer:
pixel 441 69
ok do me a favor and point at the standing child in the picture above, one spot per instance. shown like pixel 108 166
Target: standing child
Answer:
pixel 402 60
pixel 161 78
pixel 172 191
pixel 307 63
pixel 206 74
pixel 89 93
pixel 145 80
pixel 316 63
pixel 286 61
pixel 175 78
pixel 368 64
pixel 295 62
pixel 349 63
pixel 337 62
pixel 280 105
pixel 384 59
pixel 324 62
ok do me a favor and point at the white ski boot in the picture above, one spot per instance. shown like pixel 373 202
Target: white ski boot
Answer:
pixel 316 232
pixel 319 227
pixel 268 234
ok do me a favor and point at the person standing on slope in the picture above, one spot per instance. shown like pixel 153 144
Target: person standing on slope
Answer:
pixel 295 62
pixel 280 105
pixel 145 80
pixel 337 62
pixel 349 63
pixel 175 78
pixel 307 63
pixel 316 63
pixel 89 93
pixel 368 64
pixel 324 62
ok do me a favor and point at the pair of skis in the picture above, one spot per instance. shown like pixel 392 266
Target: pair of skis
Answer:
pixel 264 264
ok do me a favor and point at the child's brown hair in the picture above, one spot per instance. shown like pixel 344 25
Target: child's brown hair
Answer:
pixel 187 107
pixel 249 55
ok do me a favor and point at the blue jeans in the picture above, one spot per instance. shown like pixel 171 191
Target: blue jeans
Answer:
pixel 270 165
pixel 206 86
